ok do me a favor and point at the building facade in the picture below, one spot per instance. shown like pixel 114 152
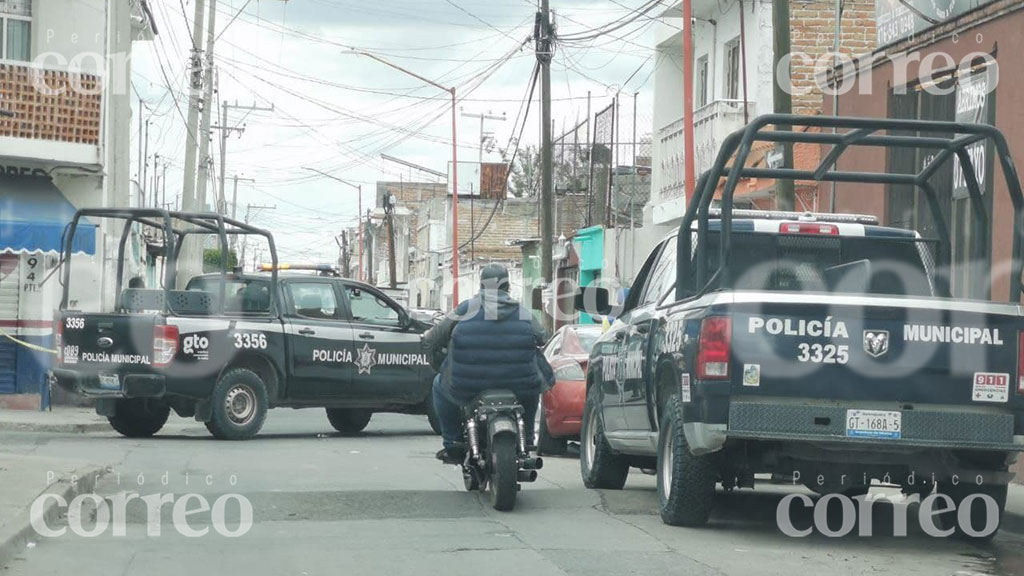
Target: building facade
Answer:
pixel 64 144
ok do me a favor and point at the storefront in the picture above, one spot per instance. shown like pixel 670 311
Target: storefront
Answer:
pixel 963 70
pixel 33 218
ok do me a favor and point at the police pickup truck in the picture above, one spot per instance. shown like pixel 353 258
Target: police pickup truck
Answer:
pixel 229 346
pixel 823 349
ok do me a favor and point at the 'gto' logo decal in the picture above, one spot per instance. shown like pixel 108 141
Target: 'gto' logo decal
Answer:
pixel 876 342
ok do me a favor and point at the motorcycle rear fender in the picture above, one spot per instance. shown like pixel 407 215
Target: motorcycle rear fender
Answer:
pixel 502 424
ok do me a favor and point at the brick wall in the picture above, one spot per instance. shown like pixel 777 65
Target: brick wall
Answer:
pixel 515 218
pixel 811 33
pixel 50 105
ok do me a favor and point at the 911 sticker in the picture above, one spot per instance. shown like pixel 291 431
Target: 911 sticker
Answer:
pixel 684 387
pixel 991 387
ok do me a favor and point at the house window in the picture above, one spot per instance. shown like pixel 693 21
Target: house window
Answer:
pixel 732 69
pixel 16 30
pixel 702 81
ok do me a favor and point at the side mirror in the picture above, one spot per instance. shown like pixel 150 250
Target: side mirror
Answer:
pixel 593 300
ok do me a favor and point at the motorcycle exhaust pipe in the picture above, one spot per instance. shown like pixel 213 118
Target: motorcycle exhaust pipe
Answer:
pixel 527 475
pixel 535 463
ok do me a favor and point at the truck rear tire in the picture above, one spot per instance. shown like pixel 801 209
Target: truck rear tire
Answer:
pixel 978 512
pixel 349 420
pixel 600 467
pixel 139 417
pixel 686 483
pixel 239 405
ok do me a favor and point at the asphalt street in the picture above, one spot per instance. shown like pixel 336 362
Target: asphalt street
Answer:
pixel 380 504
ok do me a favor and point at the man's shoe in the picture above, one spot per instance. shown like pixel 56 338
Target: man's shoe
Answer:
pixel 451 455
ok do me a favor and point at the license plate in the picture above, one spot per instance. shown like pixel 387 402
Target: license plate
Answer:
pixel 110 382
pixel 874 424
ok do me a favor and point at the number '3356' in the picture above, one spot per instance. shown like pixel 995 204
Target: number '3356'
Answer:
pixel 250 340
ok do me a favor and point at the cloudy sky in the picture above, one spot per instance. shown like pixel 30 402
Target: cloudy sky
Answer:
pixel 337 111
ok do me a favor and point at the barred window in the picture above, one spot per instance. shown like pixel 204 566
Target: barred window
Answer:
pixel 16 30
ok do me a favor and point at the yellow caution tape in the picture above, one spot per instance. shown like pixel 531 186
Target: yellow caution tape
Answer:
pixel 26 344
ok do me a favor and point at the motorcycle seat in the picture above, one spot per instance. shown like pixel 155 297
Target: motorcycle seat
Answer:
pixel 495 397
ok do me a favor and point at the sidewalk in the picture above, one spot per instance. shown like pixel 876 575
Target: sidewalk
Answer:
pixel 24 480
pixel 61 419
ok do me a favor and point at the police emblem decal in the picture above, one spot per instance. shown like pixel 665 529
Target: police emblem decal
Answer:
pixel 366 359
pixel 876 342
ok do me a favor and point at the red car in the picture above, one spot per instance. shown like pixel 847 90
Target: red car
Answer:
pixel 561 408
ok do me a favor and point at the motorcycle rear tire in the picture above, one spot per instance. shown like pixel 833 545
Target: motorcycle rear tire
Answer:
pixel 504 483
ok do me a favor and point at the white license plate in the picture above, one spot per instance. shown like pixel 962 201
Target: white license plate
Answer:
pixel 110 382
pixel 874 424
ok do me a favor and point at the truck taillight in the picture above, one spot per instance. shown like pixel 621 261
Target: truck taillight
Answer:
pixel 165 344
pixel 713 348
pixel 808 228
pixel 1020 362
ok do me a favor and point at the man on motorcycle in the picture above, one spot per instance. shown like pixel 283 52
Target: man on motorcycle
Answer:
pixel 487 342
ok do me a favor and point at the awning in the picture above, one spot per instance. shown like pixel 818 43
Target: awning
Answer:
pixel 34 215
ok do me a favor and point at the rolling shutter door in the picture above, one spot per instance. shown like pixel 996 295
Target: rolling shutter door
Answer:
pixel 10 289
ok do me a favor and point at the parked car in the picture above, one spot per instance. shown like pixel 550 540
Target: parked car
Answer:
pixel 561 408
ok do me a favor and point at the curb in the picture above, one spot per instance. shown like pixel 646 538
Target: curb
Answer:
pixel 19 531
pixel 59 427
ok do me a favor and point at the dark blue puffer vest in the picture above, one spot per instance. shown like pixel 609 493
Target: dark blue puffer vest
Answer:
pixel 494 348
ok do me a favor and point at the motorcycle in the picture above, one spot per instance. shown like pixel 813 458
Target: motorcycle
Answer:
pixel 496 457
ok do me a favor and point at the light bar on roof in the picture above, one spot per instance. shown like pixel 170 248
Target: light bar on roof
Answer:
pixel 799 216
pixel 286 266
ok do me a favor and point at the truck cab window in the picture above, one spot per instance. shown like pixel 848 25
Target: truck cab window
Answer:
pixel 369 308
pixel 313 300
pixel 663 275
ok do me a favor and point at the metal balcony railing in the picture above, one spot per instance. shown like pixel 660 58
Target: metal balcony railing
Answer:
pixel 711 124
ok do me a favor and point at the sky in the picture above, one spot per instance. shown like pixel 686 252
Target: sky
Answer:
pixel 337 111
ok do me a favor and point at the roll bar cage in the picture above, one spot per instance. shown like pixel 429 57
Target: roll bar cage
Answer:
pixel 176 226
pixel 949 139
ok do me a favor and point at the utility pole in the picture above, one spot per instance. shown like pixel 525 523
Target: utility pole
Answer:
pixel 188 197
pixel 544 47
pixel 234 207
pixel 248 213
pixel 205 162
pixel 389 214
pixel 483 116
pixel 783 101
pixel 225 131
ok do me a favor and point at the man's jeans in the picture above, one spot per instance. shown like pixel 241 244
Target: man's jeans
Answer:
pixel 449 414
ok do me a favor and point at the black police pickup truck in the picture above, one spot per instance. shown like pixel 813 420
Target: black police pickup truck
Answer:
pixel 228 346
pixel 822 349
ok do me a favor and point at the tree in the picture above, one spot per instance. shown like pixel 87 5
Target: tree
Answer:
pixel 525 177
pixel 211 260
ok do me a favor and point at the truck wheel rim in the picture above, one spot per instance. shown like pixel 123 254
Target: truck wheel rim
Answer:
pixel 241 405
pixel 667 460
pixel 590 440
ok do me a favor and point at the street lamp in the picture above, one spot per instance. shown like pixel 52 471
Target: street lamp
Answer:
pixel 455 168
pixel 358 187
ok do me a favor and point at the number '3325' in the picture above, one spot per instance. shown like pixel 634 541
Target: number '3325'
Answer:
pixel 823 353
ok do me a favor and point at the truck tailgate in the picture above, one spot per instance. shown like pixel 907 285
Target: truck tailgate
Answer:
pixel 106 342
pixel 906 350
